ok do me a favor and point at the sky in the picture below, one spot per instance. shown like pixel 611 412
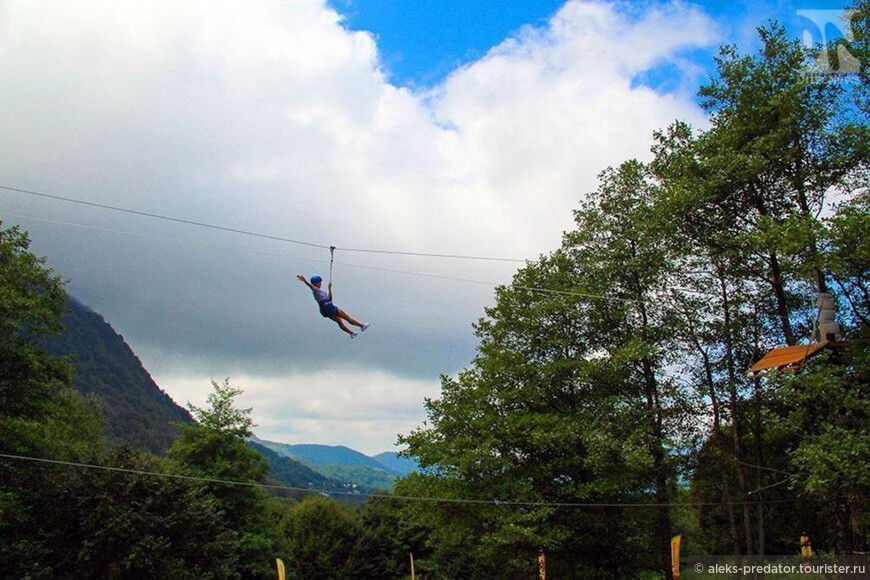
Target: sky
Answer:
pixel 448 127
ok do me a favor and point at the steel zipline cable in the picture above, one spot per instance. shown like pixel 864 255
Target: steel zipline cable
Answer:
pixel 343 264
pixel 331 248
pixel 494 502
pixel 248 232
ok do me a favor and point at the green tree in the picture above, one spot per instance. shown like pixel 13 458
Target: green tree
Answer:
pixel 321 537
pixel 859 48
pixel 745 196
pixel 752 185
pixel 847 257
pixel 215 447
pixel 567 401
pixel 388 539
pixel 827 412
pixel 619 246
pixel 40 415
pixel 31 304
pixel 119 524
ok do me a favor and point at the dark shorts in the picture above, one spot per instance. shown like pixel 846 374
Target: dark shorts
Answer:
pixel 328 309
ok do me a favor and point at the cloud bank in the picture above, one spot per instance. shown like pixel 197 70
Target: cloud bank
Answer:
pixel 271 116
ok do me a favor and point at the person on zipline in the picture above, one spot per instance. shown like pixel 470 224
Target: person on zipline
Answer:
pixel 330 310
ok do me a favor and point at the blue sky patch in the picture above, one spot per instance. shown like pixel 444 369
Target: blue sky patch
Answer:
pixel 422 41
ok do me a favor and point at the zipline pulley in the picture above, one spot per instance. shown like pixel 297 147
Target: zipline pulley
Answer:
pixel 331 260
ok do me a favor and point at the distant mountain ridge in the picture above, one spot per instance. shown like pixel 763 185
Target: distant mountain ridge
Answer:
pixel 401 465
pixel 296 474
pixel 326 454
pixel 346 464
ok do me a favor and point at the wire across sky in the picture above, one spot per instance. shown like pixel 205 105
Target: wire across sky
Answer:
pixel 43 195
pixel 309 244
pixel 248 232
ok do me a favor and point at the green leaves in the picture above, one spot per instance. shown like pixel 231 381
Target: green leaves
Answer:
pixel 561 404
pixel 31 296
pixel 120 525
pixel 31 304
pixel 215 447
pixel 221 415
pixel 846 254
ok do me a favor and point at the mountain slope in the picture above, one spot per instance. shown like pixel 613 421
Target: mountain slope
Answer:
pixel 338 462
pixel 294 473
pixel 326 455
pixel 401 465
pixel 136 410
pixel 366 478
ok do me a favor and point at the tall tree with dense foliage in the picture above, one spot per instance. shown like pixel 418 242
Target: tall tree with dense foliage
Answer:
pixel 31 304
pixel 40 415
pixel 753 185
pixel 130 524
pixel 745 197
pixel 858 47
pixel 321 540
pixel 567 401
pixel 215 447
pixel 847 257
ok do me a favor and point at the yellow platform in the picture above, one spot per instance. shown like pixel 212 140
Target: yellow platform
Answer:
pixel 787 358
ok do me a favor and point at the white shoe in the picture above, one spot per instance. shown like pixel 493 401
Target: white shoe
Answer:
pixel 354 335
pixel 364 327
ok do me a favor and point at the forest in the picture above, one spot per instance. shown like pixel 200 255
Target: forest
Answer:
pixel 596 421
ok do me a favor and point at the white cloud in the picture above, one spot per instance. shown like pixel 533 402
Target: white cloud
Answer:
pixel 545 111
pixel 358 408
pixel 270 116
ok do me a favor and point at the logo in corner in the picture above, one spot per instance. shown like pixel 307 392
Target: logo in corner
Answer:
pixel 832 29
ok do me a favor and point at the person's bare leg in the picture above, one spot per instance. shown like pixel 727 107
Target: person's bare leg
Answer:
pixel 349 318
pixel 341 324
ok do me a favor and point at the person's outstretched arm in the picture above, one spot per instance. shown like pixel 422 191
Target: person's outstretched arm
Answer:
pixel 302 279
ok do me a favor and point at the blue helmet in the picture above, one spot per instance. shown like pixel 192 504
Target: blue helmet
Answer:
pixel 316 279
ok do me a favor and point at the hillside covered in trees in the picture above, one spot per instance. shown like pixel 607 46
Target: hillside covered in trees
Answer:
pixel 595 422
pixel 345 464
pixel 134 408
